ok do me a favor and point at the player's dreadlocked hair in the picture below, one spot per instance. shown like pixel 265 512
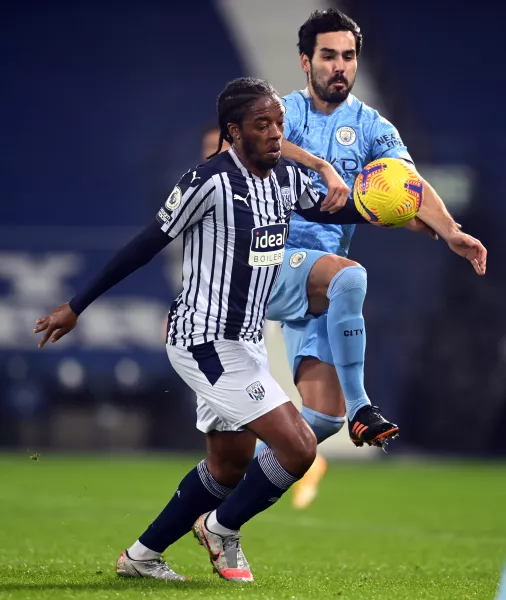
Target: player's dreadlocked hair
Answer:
pixel 234 102
pixel 325 21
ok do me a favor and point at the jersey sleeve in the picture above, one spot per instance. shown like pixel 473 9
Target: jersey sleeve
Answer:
pixel 137 253
pixel 307 196
pixel 187 204
pixel 348 215
pixel 386 141
pixel 189 201
pixel 294 117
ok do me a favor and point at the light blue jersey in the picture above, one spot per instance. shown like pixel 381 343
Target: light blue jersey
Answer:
pixel 349 138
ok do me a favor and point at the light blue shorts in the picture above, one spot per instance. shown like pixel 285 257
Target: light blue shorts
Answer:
pixel 288 301
pixel 307 338
pixel 305 335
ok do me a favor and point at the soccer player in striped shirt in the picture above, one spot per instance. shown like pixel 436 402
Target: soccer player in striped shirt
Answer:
pixel 233 212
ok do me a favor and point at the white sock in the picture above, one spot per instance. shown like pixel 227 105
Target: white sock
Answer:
pixel 213 526
pixel 139 551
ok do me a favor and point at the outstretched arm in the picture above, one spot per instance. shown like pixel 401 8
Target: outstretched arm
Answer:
pixel 134 255
pixel 434 213
pixel 188 203
pixel 433 218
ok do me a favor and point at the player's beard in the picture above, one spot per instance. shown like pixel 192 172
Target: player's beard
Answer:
pixel 322 89
pixel 261 162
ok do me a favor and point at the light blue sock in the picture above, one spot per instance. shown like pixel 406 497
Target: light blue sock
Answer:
pixel 501 594
pixel 346 331
pixel 323 425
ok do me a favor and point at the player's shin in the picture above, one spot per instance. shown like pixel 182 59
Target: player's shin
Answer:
pixel 264 483
pixel 197 493
pixel 346 332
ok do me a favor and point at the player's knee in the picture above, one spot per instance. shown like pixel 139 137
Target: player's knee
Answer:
pixel 352 278
pixel 324 271
pixel 298 453
pixel 307 451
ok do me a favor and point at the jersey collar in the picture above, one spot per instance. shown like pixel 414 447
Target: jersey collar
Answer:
pixel 242 168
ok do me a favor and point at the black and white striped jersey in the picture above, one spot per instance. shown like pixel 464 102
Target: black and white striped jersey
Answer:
pixel 235 226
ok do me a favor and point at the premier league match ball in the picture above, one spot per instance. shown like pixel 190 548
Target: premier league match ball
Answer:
pixel 388 193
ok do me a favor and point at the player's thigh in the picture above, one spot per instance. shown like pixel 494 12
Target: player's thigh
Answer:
pixel 232 382
pixel 321 274
pixel 289 300
pixel 319 387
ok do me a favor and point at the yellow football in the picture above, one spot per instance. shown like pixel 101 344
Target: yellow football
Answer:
pixel 388 193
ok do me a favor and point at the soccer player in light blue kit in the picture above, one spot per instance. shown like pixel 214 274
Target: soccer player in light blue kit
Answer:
pixel 320 292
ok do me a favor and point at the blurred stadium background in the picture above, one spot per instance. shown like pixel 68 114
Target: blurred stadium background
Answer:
pixel 103 107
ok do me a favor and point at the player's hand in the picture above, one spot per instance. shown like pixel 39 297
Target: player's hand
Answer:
pixel 338 191
pixel 469 248
pixel 59 322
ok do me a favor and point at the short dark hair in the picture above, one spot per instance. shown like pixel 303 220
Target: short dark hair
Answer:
pixel 234 102
pixel 324 21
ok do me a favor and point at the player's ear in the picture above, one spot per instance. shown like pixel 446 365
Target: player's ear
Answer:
pixel 305 63
pixel 234 131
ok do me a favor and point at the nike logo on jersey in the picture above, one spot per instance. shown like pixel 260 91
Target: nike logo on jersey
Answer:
pixel 245 200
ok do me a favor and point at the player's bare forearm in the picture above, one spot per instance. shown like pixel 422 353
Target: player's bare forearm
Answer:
pixel 302 156
pixel 434 212
pixel 337 190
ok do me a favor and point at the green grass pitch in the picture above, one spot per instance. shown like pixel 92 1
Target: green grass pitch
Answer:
pixel 385 531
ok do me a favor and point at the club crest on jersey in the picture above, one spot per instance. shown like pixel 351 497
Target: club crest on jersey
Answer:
pixel 297 259
pixel 268 245
pixel 174 200
pixel 346 136
pixel 256 391
pixel 287 198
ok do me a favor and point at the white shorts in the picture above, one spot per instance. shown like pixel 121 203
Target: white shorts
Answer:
pixel 232 382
